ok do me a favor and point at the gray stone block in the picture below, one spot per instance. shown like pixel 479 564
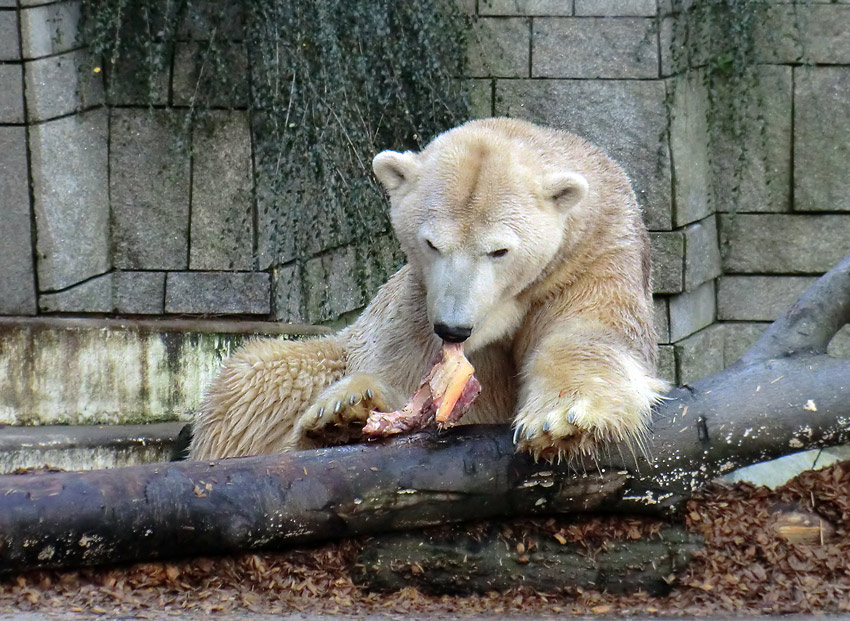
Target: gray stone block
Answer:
pixel 466 7
pixel 672 59
pixel 626 118
pixel 11 94
pixel 783 243
pixel 738 338
pixel 699 355
pixel 17 276
pixel 525 7
pixel 59 85
pixel 226 74
pixel 812 33
pixel 10 42
pixel 149 186
pixel 330 285
pixel 666 6
pixel 244 293
pixel 752 170
pixel 661 319
pixel 222 229
pixel 779 38
pixel 480 98
pixel 666 367
pixel 138 293
pixel 225 17
pixel 689 148
pixel 345 279
pixel 758 298
pixel 702 253
pixel 288 294
pixel 130 83
pixel 822 138
pixel 667 251
pixel 594 48
pixel 839 346
pixel 691 311
pixel 678 49
pixel 69 173
pixel 50 29
pixel 499 47
pixel 8 3
pixel 92 296
pixel 615 8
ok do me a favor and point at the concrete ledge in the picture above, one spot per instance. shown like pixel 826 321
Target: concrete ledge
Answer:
pixel 201 326
pixel 115 371
pixel 88 447
pixel 53 437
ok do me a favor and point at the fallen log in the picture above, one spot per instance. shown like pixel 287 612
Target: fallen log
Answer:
pixel 785 395
pixel 454 561
pixel 187 508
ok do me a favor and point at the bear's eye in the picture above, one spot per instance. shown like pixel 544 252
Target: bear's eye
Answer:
pixel 498 253
pixel 431 246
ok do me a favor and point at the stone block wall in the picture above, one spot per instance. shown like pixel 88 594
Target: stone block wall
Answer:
pixel 731 248
pixel 106 212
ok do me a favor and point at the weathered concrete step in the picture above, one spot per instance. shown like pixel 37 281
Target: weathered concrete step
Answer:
pixel 86 447
pixel 57 370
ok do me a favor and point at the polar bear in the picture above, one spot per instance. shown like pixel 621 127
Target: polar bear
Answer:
pixel 524 243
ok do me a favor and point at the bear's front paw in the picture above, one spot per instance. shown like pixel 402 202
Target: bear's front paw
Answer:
pixel 339 413
pixel 581 417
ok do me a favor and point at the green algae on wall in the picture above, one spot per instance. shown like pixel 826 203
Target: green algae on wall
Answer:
pixel 72 372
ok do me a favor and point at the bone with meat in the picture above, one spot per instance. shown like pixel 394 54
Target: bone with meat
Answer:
pixel 444 396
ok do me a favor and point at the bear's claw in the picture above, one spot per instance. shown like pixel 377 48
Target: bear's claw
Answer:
pixel 551 439
pixel 340 411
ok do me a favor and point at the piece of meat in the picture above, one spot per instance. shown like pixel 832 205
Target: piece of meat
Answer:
pixel 444 396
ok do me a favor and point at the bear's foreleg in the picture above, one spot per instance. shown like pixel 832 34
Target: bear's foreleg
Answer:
pixel 273 396
pixel 580 389
pixel 254 403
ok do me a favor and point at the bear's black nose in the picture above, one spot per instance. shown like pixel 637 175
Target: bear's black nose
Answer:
pixel 452 334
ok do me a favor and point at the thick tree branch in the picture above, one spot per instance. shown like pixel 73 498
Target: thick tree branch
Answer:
pixel 747 414
pixel 190 508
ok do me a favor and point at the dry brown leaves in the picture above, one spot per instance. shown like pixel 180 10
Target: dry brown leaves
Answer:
pixel 746 568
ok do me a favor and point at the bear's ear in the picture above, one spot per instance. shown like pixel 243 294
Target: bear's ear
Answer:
pixel 394 169
pixel 565 189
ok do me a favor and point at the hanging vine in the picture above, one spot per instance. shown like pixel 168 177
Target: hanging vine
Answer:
pixel 327 84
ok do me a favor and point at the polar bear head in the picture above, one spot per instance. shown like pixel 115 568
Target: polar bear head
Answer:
pixel 481 214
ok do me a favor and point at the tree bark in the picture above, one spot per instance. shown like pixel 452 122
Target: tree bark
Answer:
pixel 170 509
pixel 454 561
pixel 785 396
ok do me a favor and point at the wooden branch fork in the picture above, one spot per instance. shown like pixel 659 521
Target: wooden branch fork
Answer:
pixel 783 396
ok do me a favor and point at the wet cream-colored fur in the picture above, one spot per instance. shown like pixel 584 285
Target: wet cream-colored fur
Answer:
pixel 528 236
